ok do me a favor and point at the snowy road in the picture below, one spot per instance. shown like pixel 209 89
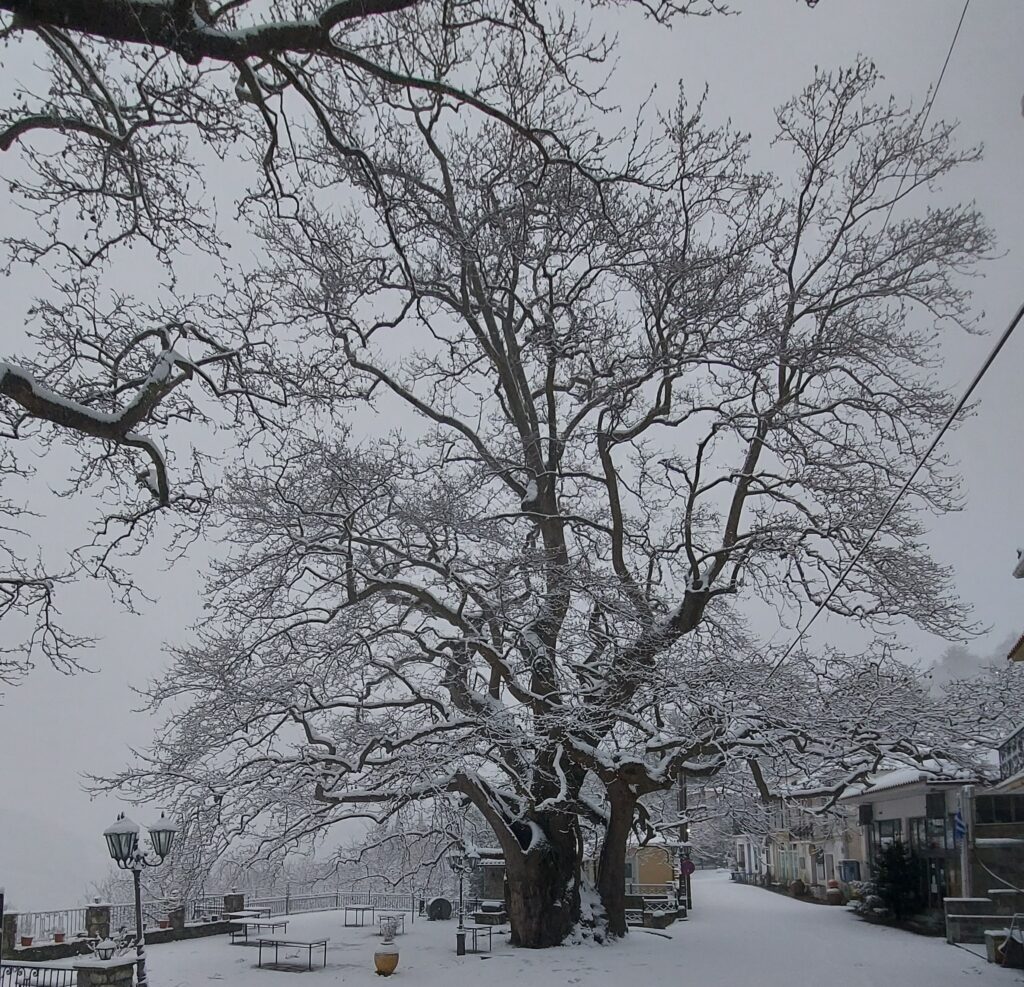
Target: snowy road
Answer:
pixel 740 935
pixel 737 937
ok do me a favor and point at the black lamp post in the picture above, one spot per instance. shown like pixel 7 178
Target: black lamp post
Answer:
pixel 460 862
pixel 123 842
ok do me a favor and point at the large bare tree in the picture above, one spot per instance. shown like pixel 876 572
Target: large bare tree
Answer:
pixel 595 404
pixel 132 131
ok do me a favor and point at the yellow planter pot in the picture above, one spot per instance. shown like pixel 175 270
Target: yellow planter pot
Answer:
pixel 385 960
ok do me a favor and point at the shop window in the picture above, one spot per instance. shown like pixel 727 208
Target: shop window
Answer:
pixel 939 835
pixel 889 831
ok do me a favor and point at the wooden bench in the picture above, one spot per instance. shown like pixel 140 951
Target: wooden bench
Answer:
pixel 240 930
pixel 307 944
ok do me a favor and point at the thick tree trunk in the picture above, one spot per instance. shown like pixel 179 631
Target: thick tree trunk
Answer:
pixel 611 868
pixel 542 893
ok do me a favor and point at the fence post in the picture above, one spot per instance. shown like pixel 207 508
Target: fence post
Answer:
pixel 233 902
pixel 288 898
pixel 177 917
pixel 97 920
pixel 9 935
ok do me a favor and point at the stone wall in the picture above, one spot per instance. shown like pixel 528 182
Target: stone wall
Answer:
pixel 98 926
pixel 119 972
pixel 968 918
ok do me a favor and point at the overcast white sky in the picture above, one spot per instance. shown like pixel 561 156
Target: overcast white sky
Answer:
pixel 52 728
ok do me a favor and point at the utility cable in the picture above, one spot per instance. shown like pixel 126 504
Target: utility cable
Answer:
pixel 1002 341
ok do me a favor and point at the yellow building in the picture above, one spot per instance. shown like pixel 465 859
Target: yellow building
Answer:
pixel 650 869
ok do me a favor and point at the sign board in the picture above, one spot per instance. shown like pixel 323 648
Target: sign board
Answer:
pixel 687 867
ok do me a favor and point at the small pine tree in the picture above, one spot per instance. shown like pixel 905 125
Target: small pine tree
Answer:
pixel 898 880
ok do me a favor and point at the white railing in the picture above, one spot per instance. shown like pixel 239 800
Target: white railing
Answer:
pixel 42 925
pixel 651 890
pixel 71 921
pixel 289 904
pixel 122 914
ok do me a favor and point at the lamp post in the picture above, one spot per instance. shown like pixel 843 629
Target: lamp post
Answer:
pixel 123 843
pixel 459 862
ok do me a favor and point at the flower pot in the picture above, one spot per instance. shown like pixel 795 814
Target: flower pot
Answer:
pixel 164 923
pixel 26 940
pixel 58 937
pixel 385 960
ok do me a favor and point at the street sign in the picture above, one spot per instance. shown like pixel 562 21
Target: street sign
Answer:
pixel 687 867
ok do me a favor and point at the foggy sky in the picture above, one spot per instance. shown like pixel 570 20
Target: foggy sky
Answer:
pixel 53 729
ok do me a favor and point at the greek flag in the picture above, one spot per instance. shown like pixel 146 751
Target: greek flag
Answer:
pixel 959 827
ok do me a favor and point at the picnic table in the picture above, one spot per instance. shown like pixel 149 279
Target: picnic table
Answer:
pixel 249 913
pixel 240 930
pixel 307 944
pixel 473 932
pixel 358 914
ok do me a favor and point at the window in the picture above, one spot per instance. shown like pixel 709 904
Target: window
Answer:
pixel 849 870
pixel 940 835
pixel 887 832
pixel 999 809
pixel 918 832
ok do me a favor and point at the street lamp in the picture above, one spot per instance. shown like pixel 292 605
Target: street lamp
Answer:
pixel 123 843
pixel 460 862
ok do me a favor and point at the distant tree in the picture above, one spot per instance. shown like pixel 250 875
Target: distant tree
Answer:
pixel 899 880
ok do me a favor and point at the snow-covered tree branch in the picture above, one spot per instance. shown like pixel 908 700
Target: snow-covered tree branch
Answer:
pixel 629 402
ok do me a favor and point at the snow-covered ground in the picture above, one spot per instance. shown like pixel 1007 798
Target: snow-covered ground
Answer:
pixel 737 937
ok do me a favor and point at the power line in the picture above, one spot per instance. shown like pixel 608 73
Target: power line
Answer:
pixel 1002 341
pixel 927 111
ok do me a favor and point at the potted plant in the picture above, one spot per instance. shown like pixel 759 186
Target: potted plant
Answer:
pixel 26 941
pixel 164 923
pixel 385 959
pixel 58 935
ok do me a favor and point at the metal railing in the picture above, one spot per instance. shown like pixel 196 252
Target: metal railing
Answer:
pixel 42 925
pixel 290 904
pixel 651 890
pixel 122 914
pixel 203 906
pixel 31 975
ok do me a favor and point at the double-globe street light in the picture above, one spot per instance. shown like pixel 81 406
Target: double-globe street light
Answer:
pixel 123 842
pixel 460 862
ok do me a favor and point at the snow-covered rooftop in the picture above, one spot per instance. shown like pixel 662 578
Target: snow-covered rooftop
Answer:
pixel 933 772
pixel 1017 651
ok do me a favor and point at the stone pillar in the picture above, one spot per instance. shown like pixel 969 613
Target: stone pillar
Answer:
pixel 234 902
pixel 116 972
pixel 9 932
pixel 97 920
pixel 177 917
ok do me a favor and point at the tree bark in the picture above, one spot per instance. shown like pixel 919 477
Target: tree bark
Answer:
pixel 611 868
pixel 542 894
